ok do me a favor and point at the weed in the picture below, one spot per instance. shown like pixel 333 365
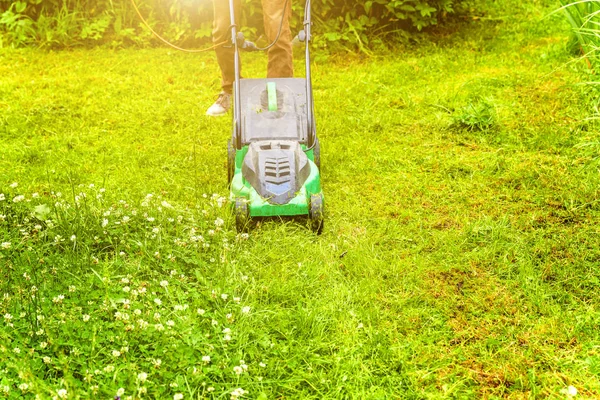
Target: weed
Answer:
pixel 477 115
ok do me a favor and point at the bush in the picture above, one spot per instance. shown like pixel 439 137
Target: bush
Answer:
pixel 64 23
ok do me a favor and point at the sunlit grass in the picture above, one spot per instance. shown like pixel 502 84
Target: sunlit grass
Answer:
pixel 459 258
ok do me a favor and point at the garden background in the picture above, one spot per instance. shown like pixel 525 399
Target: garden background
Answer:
pixel 460 154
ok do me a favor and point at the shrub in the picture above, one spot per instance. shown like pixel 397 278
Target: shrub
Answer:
pixel 84 22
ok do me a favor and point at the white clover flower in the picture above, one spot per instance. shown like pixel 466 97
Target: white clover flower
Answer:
pixel 137 311
pixel 109 368
pixel 360 326
pixel 8 316
pixel 170 323
pixel 226 330
pixel 238 370
pixel 156 229
pixel 262 364
pixel 23 386
pixel 2 197
pixel 5 245
pixel 178 396
pixel 86 318
pixel 206 359
pixel 62 393
pixel 5 389
pixel 14 185
pixel 142 376
pixel 116 353
pixel 237 393
pixel 125 219
pixel 164 283
pixel 237 300
pixel 47 360
pixel 73 238
pixel 159 327
pixel 214 322
pixel 165 204
pixel 245 310
pixel 227 338
pixel 43 345
pixel 58 299
pixel 17 350
pixel 200 311
pixel 104 222
pixel 156 362
pixel 224 296
pixel 126 289
pixel 120 392
pixel 18 198
pixel 570 391
pixel 229 316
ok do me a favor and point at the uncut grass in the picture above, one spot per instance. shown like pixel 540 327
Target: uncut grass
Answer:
pixel 467 257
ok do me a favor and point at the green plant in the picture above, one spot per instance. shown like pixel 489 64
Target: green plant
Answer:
pixel 584 18
pixel 19 27
pixel 477 115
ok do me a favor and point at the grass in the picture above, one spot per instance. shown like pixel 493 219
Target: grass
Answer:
pixel 459 258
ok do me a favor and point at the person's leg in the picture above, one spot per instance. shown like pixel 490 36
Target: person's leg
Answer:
pixel 222 32
pixel 280 55
pixel 225 54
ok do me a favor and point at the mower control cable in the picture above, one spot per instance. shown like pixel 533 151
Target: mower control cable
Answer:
pixel 165 41
pixel 278 32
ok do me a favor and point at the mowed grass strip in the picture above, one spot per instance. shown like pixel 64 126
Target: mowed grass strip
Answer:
pixel 460 256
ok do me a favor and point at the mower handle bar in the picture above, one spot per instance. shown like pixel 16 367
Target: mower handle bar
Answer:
pixel 239 42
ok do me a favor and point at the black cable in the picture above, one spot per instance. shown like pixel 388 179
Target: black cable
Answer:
pixel 280 29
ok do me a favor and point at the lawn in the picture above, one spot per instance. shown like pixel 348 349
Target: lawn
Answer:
pixel 459 259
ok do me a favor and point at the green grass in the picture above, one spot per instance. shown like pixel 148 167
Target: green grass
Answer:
pixel 459 259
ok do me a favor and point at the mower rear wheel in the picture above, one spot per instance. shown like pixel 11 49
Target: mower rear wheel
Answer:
pixel 242 215
pixel 317 154
pixel 316 213
pixel 230 161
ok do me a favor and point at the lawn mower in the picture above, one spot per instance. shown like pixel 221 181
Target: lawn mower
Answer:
pixel 273 156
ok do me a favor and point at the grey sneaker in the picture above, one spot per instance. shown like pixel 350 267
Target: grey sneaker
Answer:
pixel 221 106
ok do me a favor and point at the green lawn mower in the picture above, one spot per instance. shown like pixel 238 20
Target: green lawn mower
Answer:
pixel 273 162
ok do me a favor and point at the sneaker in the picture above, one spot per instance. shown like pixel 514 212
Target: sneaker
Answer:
pixel 221 106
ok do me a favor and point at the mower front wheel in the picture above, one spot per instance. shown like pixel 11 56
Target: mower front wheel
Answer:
pixel 242 215
pixel 316 213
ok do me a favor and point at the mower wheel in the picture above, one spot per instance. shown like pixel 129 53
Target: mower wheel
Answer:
pixel 230 161
pixel 316 214
pixel 242 215
pixel 317 154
